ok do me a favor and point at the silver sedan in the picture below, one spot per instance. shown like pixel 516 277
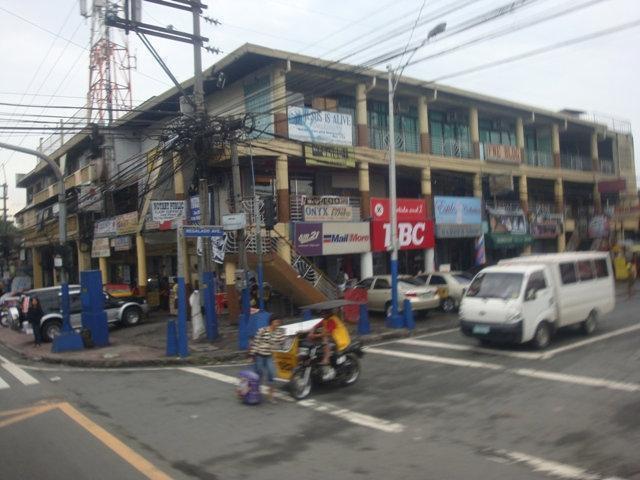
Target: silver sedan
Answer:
pixel 378 289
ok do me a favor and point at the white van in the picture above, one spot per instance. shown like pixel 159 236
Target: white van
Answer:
pixel 527 298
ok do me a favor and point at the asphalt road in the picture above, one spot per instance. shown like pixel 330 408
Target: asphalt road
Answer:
pixel 432 407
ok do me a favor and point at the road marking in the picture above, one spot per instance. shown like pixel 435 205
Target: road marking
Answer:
pixel 3 384
pixel 441 332
pixel 23 414
pixel 343 413
pixel 577 379
pixel 123 451
pixel 523 372
pixel 549 467
pixel 469 348
pixel 17 372
pixel 589 341
pixel 436 359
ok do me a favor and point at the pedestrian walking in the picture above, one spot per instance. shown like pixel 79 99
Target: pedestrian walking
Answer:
pixel 267 340
pixel 197 323
pixel 34 316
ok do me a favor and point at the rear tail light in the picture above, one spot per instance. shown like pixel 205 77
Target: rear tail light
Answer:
pixel 410 294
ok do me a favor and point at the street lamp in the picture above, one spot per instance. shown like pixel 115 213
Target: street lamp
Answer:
pixel 395 321
pixel 67 339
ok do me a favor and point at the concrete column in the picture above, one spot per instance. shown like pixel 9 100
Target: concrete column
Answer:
pixel 282 188
pixel 36 260
pixel 477 185
pixel 520 137
pixel 429 260
pixel 595 157
pixel 178 178
pixel 423 125
pixel 284 248
pixel 364 188
pixel 279 99
pixel 425 185
pixel 233 299
pixel 84 259
pixel 362 129
pixel 555 144
pixel 474 131
pixel 366 265
pixel 597 199
pixel 558 191
pixel 104 269
pixel 141 260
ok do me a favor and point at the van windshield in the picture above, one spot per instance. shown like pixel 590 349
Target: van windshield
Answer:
pixel 496 285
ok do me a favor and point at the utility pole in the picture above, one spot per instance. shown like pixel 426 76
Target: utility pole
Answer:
pixel 5 261
pixel 394 319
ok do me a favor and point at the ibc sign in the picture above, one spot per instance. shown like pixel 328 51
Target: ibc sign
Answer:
pixel 415 231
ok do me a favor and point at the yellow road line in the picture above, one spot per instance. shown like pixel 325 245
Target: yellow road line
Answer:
pixel 26 413
pixel 123 451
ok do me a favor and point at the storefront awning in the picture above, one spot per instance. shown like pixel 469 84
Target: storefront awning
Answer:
pixel 506 240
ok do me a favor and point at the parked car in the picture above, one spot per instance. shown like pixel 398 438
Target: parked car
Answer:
pixel 453 285
pixel 526 299
pixel 378 288
pixel 127 311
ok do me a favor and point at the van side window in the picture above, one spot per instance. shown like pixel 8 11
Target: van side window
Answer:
pixel 568 273
pixel 601 268
pixel 536 282
pixel 585 270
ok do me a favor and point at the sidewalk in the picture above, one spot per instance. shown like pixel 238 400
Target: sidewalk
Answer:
pixel 144 345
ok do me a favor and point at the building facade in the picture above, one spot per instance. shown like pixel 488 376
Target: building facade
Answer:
pixel 491 178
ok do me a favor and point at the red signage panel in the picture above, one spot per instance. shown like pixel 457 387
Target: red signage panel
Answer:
pixel 409 209
pixel 412 235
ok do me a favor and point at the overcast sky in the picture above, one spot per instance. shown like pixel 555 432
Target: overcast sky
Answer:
pixel 600 75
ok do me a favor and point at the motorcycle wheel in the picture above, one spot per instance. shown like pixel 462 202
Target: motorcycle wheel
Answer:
pixel 300 387
pixel 350 370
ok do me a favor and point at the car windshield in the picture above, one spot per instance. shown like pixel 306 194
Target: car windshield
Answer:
pixel 412 282
pixel 496 285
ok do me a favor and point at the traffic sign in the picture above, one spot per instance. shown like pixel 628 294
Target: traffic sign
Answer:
pixel 203 231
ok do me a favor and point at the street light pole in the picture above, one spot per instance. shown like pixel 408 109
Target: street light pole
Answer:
pixel 68 339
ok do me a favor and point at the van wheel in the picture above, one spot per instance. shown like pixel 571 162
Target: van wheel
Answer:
pixel 542 337
pixel 591 323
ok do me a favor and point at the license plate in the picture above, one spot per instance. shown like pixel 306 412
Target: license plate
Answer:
pixel 481 329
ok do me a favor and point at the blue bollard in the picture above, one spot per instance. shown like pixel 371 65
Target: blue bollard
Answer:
pixel 211 320
pixel 409 320
pixel 306 314
pixel 172 338
pixel 183 345
pixel 364 328
pixel 243 324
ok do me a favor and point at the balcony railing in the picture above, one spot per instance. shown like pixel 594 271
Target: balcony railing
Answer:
pixel 85 174
pixel 536 158
pixel 606 166
pixel 451 147
pixel 405 141
pixel 575 162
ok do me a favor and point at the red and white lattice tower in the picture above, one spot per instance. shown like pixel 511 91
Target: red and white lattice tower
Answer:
pixel 109 95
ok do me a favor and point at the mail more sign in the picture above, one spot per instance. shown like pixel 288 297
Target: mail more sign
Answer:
pixel 331 238
pixel 326 209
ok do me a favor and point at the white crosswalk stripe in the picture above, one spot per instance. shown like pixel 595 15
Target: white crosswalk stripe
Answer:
pixel 21 375
pixel 3 384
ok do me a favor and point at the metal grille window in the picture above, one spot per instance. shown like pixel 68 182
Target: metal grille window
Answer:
pixel 406 127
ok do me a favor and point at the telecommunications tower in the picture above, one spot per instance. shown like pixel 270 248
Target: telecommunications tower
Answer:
pixel 109 95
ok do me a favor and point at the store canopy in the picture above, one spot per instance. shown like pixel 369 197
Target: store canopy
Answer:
pixel 506 240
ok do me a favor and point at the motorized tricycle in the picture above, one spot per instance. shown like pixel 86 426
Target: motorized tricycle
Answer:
pixel 300 358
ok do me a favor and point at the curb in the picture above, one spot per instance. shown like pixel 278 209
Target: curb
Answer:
pixel 196 358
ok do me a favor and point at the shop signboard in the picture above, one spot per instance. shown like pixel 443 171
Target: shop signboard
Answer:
pixel 308 238
pixel 317 126
pixel 89 199
pixel 234 221
pixel 412 235
pixel 502 153
pixel 457 217
pixel 100 248
pixel 121 244
pixel 340 238
pixel 194 209
pixel 104 228
pixel 546 224
pixel 407 209
pixel 127 223
pixel 326 208
pixel 335 156
pixel 509 221
pixel 166 210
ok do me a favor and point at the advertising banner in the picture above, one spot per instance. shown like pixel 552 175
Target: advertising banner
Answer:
pixel 121 244
pixel 100 248
pixel 329 156
pixel 104 228
pixel 511 221
pixel 343 238
pixel 457 210
pixel 89 199
pixel 502 153
pixel 308 238
pixel 412 235
pixel 165 210
pixel 408 209
pixel 326 208
pixel 317 126
pixel 546 224
pixel 127 223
